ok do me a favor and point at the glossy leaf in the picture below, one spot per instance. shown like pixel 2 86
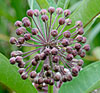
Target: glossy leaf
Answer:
pixel 10 77
pixel 87 81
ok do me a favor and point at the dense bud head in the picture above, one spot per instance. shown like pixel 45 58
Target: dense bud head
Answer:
pixel 48 73
pixel 56 68
pixel 80 31
pixel 19 59
pixel 69 49
pixel 46 67
pixel 27 23
pixel 21 64
pixel 78 46
pixel 18 23
pixel 51 10
pixel 54 33
pixel 79 38
pixel 74 53
pixel 59 11
pixel 44 18
pixel 43 12
pixel 34 31
pixel 36 12
pixel 24 76
pixel 69 57
pixel 13 40
pixel 43 56
pixel 24 19
pixel 64 78
pixel 27 36
pixel 68 21
pixel 34 62
pixel 82 54
pixel 79 23
pixel 67 12
pixel 86 47
pixel 33 74
pixel 80 62
pixel 61 21
pixel 55 59
pixel 69 77
pixel 12 60
pixel 21 40
pixel 54 51
pixel 65 42
pixel 57 76
pixel 37 57
pixel 75 71
pixel 84 40
pixel 30 12
pixel 21 70
pixel 67 34
pixel 47 51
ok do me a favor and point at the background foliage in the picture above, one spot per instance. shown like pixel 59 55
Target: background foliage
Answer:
pixel 85 10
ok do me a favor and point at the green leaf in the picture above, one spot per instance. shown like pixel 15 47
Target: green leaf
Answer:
pixel 86 12
pixel 87 81
pixel 52 3
pixel 43 4
pixel 63 4
pixel 10 77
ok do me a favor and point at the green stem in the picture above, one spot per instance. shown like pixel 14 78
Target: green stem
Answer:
pixel 50 88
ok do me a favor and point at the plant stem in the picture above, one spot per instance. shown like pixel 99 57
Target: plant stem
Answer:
pixel 50 88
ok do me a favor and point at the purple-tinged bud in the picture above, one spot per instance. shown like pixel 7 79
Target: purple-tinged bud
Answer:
pixel 84 40
pixel 69 77
pixel 69 57
pixel 13 40
pixel 43 12
pixel 33 74
pixel 80 31
pixel 46 67
pixel 51 82
pixel 56 68
pixel 61 21
pixel 77 46
pixel 24 19
pixel 82 54
pixel 54 51
pixel 86 47
pixel 36 80
pixel 59 11
pixel 51 10
pixel 27 36
pixel 69 49
pixel 47 51
pixel 30 12
pixel 47 80
pixel 54 33
pixel 55 59
pixel 19 59
pixel 75 71
pixel 68 21
pixel 74 53
pixel 80 62
pixel 57 76
pixel 79 51
pixel 64 78
pixel 21 70
pixel 24 76
pixel 79 23
pixel 44 18
pixel 34 31
pixel 43 56
pixel 67 12
pixel 36 12
pixel 18 23
pixel 40 80
pixel 20 31
pixel 65 42
pixel 12 60
pixel 79 38
pixel 34 62
pixel 79 68
pixel 37 57
pixel 27 23
pixel 21 65
pixel 48 73
pixel 21 40
pixel 16 53
pixel 67 34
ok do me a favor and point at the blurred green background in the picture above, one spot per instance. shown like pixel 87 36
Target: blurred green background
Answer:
pixel 12 10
